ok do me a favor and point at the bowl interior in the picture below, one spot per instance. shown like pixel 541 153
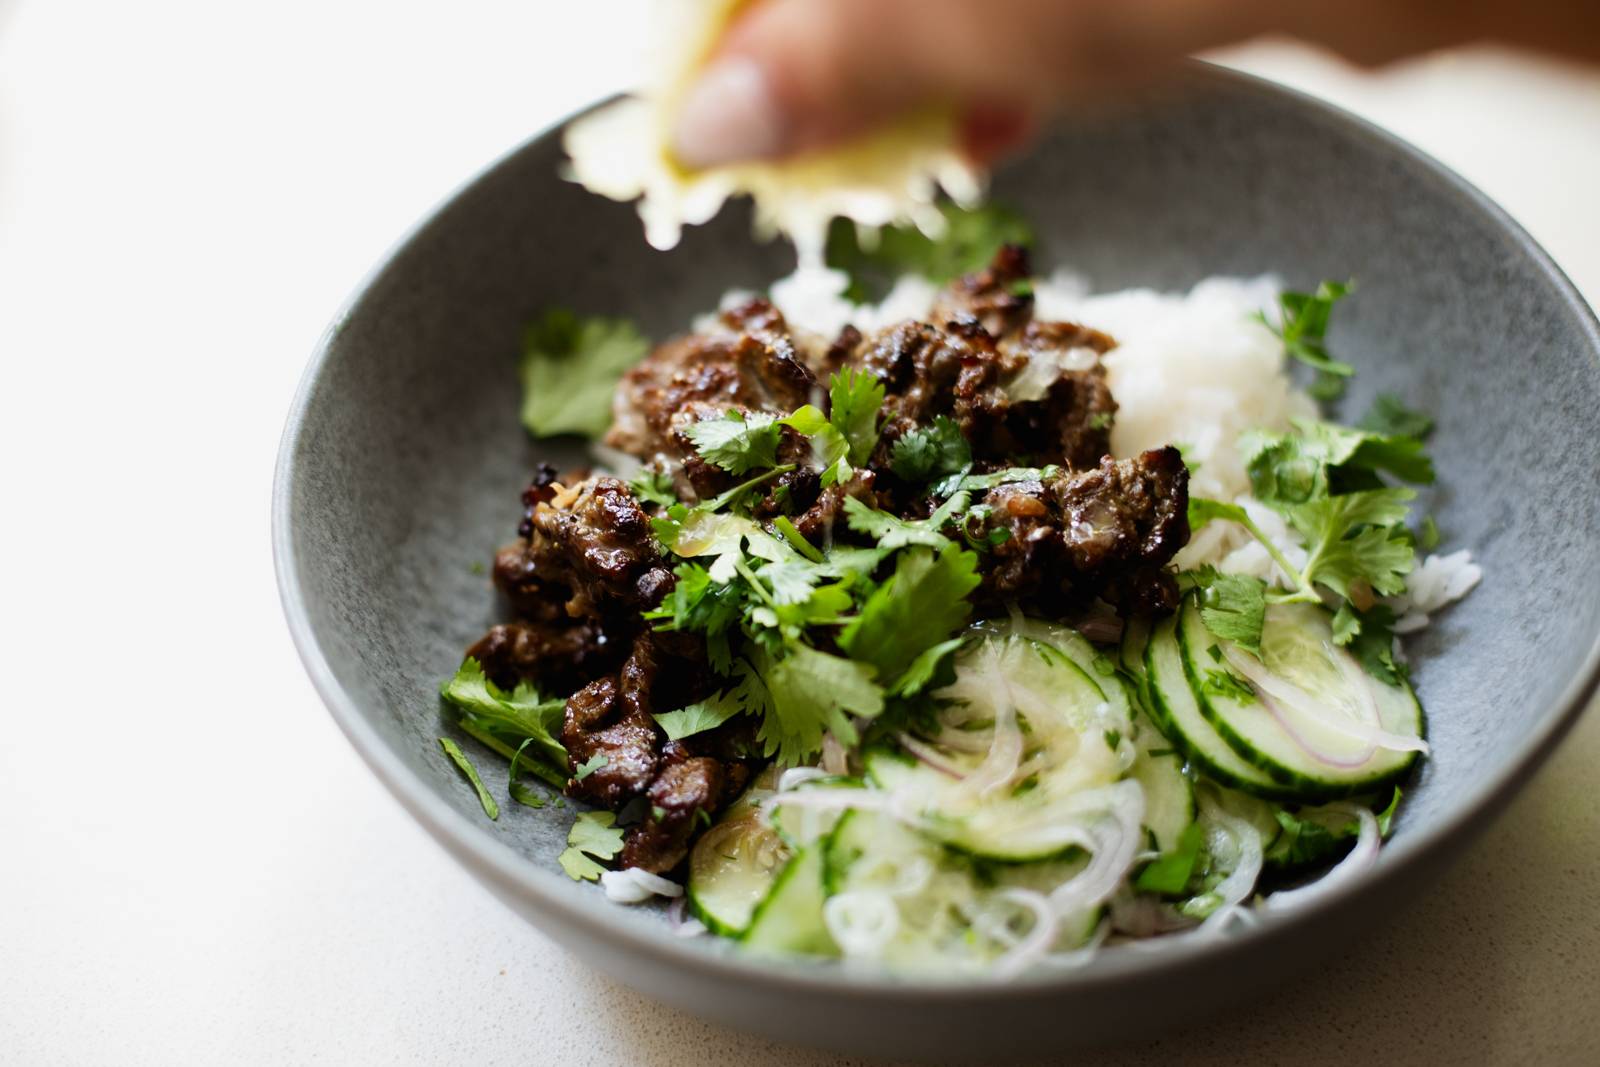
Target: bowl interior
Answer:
pixel 405 461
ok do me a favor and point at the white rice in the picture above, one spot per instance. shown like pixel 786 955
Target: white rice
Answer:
pixel 1193 369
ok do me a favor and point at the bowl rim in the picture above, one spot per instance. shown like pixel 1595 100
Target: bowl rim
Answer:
pixel 473 845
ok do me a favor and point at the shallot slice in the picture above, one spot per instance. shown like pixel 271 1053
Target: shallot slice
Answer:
pixel 1302 702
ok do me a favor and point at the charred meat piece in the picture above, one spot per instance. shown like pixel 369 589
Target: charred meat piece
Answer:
pixel 686 792
pixel 1037 395
pixel 1061 407
pixel 748 363
pixel 695 781
pixel 594 541
pixel 1106 532
pixel 558 657
pixel 611 718
pixel 928 372
pixel 999 297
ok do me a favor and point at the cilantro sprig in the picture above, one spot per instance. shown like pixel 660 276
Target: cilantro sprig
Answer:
pixel 970 239
pixel 1327 483
pixel 1303 325
pixel 509 723
pixel 594 836
pixel 807 641
pixel 570 367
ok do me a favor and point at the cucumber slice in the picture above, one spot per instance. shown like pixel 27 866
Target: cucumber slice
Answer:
pixel 1296 645
pixel 1168 794
pixel 1179 713
pixel 1101 668
pixel 734 864
pixel 932 896
pixel 1071 732
pixel 789 920
pixel 800 826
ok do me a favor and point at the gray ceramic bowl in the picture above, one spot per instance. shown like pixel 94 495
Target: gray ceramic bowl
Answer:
pixel 403 460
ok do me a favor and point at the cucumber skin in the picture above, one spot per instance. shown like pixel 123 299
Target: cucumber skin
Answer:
pixel 717 926
pixel 812 939
pixel 1191 752
pixel 1297 786
pixel 873 758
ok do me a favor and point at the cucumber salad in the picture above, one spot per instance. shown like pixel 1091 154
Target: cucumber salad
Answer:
pixel 931 614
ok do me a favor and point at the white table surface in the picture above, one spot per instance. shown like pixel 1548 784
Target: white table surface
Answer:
pixel 195 866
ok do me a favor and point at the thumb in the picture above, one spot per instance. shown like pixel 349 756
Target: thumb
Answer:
pixel 796 74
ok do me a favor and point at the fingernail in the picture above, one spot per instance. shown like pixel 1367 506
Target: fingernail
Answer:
pixel 729 115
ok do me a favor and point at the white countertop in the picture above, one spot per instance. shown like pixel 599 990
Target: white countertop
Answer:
pixel 195 866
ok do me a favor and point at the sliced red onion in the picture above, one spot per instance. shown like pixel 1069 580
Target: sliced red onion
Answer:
pixel 1113 840
pixel 930 755
pixel 1033 945
pixel 1361 857
pixel 861 921
pixel 634 886
pixel 999 767
pixel 1223 830
pixel 1302 702
pixel 1285 720
pixel 680 922
pixel 964 740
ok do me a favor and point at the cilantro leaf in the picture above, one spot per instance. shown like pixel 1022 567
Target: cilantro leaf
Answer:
pixel 891 531
pixel 809 693
pixel 737 442
pixel 594 834
pixel 697 718
pixel 1222 683
pixel 1233 606
pixel 1309 840
pixel 854 400
pixel 654 487
pixel 525 796
pixel 970 240
pixel 1379 552
pixel 925 668
pixel 1303 326
pixel 1318 459
pixel 920 606
pixel 464 765
pixel 930 452
pixel 1369 635
pixel 570 368
pixel 503 722
pixel 590 765
pixel 1390 417
pixel 792 581
pixel 1169 873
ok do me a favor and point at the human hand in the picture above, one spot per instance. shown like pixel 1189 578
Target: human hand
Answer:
pixel 797 74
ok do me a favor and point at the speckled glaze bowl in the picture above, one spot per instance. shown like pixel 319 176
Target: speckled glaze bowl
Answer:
pixel 403 459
